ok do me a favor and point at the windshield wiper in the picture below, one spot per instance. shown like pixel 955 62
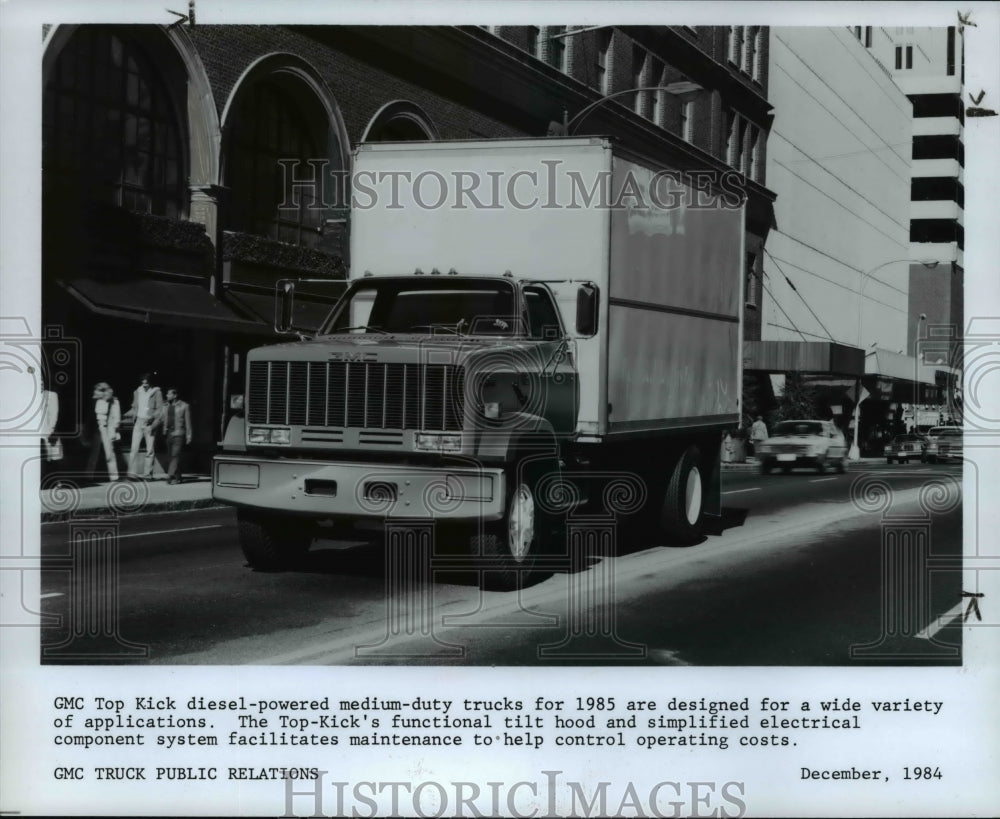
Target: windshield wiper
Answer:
pixel 454 330
pixel 366 327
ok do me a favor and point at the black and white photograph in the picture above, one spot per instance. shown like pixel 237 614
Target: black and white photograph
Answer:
pixel 591 413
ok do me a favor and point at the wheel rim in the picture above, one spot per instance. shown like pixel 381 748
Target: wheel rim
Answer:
pixel 521 523
pixel 692 496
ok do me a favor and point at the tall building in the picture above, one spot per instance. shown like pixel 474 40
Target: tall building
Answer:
pixel 837 266
pixel 186 170
pixel 928 65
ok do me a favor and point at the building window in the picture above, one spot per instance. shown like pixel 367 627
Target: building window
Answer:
pixel 655 77
pixel 732 139
pixel 110 131
pixel 750 51
pixel 909 56
pixel 686 129
pixel 533 41
pixel 556 43
pixel 951 51
pixel 755 64
pixel 937 146
pixel 750 161
pixel 868 36
pixel 604 37
pixel 638 73
pixel 899 57
pixel 750 280
pixel 735 45
pixel 276 122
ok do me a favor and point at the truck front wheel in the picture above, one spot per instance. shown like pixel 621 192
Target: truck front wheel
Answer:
pixel 683 501
pixel 508 549
pixel 271 544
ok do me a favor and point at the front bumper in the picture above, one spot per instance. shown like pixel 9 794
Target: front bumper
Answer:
pixel 329 489
pixel 789 459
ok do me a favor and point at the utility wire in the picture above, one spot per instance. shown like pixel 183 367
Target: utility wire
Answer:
pixel 796 291
pixel 782 309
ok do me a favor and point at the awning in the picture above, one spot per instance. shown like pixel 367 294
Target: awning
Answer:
pixel 157 302
pixel 887 364
pixel 307 313
pixel 804 356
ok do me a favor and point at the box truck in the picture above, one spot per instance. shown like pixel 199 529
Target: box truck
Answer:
pixel 529 325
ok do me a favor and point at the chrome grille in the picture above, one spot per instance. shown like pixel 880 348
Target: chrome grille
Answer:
pixel 356 394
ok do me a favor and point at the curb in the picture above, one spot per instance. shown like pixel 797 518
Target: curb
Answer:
pixel 145 509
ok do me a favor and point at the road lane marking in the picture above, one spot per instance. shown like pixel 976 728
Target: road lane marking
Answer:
pixel 820 480
pixel 50 594
pixel 168 531
pixel 737 491
pixel 940 622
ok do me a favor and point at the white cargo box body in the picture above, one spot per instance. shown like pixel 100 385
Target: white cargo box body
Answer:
pixel 565 211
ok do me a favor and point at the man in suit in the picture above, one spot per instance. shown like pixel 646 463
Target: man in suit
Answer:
pixel 176 420
pixel 147 403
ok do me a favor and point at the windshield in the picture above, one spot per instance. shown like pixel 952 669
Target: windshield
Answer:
pixel 427 305
pixel 799 428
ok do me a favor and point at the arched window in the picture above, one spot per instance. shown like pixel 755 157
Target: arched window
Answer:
pixel 400 121
pixel 277 169
pixel 109 127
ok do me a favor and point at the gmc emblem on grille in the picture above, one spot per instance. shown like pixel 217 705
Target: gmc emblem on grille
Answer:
pixel 354 356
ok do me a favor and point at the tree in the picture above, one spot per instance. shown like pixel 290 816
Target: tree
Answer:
pixel 797 400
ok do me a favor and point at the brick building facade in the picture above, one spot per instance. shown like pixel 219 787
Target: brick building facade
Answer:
pixel 186 170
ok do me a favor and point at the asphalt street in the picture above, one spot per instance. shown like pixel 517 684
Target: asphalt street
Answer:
pixel 793 575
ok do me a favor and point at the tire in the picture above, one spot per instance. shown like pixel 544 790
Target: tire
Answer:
pixel 507 551
pixel 683 501
pixel 842 465
pixel 888 460
pixel 821 465
pixel 271 543
pixel 766 467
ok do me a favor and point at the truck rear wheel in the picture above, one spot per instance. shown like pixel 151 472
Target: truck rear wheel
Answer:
pixel 270 543
pixel 508 549
pixel 683 501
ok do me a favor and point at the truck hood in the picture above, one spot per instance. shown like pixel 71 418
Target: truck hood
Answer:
pixel 401 348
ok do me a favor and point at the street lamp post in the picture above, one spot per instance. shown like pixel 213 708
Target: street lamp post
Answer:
pixel 916 371
pixel 855 452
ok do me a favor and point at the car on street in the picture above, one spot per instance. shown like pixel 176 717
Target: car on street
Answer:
pixel 949 445
pixel 905 448
pixel 933 437
pixel 808 443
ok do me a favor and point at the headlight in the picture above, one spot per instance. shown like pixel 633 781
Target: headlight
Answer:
pixel 438 442
pixel 269 435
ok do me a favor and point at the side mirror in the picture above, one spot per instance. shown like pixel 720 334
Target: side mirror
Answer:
pixel 284 300
pixel 587 309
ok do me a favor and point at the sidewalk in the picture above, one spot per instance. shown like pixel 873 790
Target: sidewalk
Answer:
pixel 116 498
pixel 147 496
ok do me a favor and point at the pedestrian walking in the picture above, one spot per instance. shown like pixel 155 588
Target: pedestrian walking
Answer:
pixel 758 434
pixel 147 403
pixel 51 446
pixel 102 428
pixel 175 418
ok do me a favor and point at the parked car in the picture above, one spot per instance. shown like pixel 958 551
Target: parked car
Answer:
pixel 933 436
pixel 949 445
pixel 905 448
pixel 816 444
